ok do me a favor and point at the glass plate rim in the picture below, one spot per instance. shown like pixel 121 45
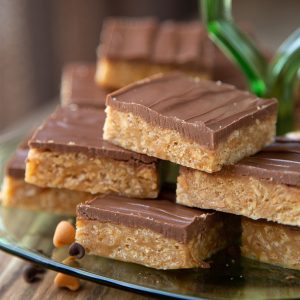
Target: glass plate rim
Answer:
pixel 85 275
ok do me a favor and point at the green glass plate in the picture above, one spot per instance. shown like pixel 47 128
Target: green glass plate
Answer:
pixel 29 235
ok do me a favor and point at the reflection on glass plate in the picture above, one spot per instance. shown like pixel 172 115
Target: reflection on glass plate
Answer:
pixel 29 235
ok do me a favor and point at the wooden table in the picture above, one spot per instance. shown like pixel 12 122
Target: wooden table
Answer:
pixel 13 286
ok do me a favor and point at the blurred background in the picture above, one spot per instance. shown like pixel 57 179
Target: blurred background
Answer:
pixel 38 37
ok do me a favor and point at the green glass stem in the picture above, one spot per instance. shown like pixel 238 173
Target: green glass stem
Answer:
pixel 277 79
pixel 283 78
pixel 234 43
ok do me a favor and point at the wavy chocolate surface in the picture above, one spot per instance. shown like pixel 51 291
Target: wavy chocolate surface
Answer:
pixel 278 162
pixel 203 111
pixel 78 86
pixel 79 129
pixel 169 42
pixel 169 219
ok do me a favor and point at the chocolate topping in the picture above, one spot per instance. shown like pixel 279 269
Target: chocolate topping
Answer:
pixel 130 39
pixel 171 43
pixel 78 86
pixel 33 273
pixel 16 165
pixel 182 44
pixel 79 129
pixel 278 162
pixel 203 111
pixel 76 250
pixel 171 220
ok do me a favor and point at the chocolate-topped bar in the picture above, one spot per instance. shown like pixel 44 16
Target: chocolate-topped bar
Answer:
pixel 195 123
pixel 155 233
pixel 69 145
pixel 78 86
pixel 265 185
pixel 16 192
pixel 271 243
pixel 132 49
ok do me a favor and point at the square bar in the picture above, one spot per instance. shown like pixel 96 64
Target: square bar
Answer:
pixel 132 49
pixel 67 151
pixel 265 185
pixel 78 86
pixel 271 243
pixel 17 193
pixel 195 123
pixel 155 233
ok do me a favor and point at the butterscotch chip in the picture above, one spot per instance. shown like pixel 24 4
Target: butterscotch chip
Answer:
pixel 15 192
pixel 265 185
pixel 271 243
pixel 195 123
pixel 83 161
pixel 64 234
pixel 66 281
pixel 154 233
pixel 132 49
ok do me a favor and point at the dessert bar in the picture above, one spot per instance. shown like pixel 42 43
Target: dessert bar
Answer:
pixel 132 49
pixel 67 151
pixel 265 185
pixel 195 123
pixel 154 233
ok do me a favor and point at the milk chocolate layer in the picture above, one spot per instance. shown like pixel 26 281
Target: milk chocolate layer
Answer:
pixel 79 129
pixel 278 162
pixel 171 220
pixel 17 163
pixel 78 86
pixel 171 43
pixel 203 111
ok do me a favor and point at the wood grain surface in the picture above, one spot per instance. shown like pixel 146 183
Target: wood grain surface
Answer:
pixel 13 286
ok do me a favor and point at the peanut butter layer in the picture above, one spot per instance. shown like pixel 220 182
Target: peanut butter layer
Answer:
pixel 78 86
pixel 79 172
pixel 155 233
pixel 271 243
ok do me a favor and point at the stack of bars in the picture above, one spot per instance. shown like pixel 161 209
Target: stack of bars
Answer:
pixel 102 149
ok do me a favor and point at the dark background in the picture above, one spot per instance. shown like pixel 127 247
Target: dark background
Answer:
pixel 38 36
